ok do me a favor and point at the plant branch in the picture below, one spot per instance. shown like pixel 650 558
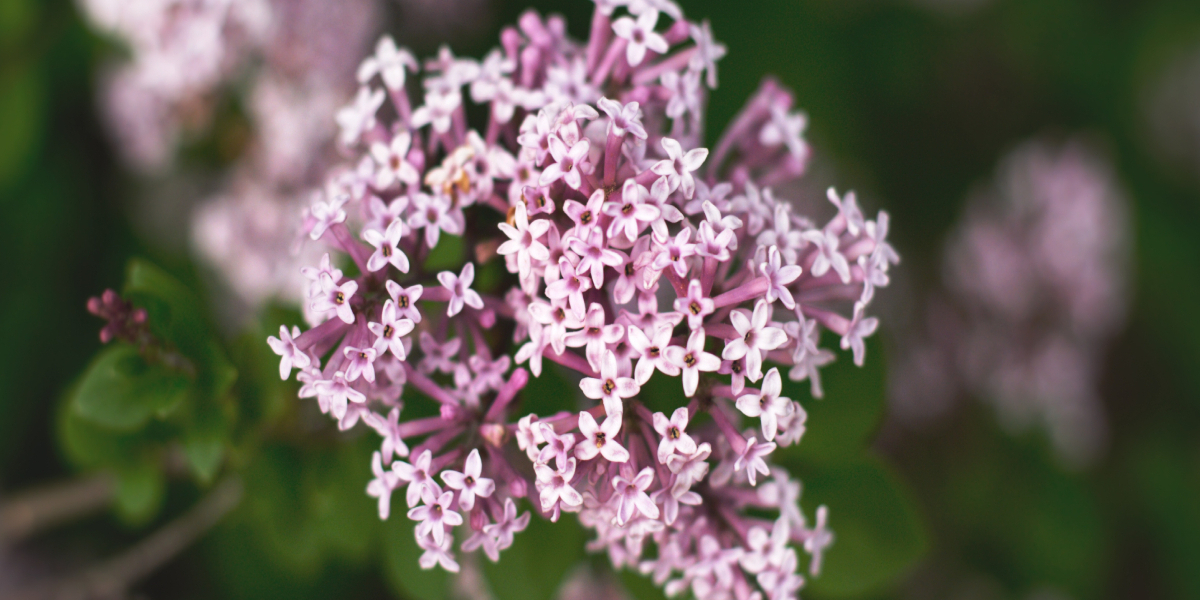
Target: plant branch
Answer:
pixel 112 578
pixel 37 509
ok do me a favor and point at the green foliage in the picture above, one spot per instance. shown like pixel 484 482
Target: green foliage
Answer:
pixel 879 534
pixel 841 424
pixel 140 489
pixel 538 561
pixel 121 392
pixel 400 556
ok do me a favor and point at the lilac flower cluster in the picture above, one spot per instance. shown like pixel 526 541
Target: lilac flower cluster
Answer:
pixel 1036 275
pixel 630 250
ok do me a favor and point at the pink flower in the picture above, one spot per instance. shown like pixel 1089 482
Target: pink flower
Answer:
pixel 523 240
pixel 632 213
pixel 387 249
pixel 555 486
pixel 390 331
pixel 361 362
pixel 381 487
pixel 393 162
pixel 600 439
pixel 405 300
pixel 754 338
pixel 570 287
pixel 460 289
pixel 290 355
pixel 678 167
pixel 469 483
pixel 767 404
pixel 640 36
pixel 610 388
pixel 416 475
pixel 674 437
pixel 652 352
pixel 692 360
pixel 695 305
pixel 751 458
pixel 568 162
pixel 631 495
pixel 435 515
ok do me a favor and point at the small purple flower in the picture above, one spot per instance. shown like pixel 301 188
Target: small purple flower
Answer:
pixel 393 162
pixel 754 338
pixel 570 286
pixel 611 388
pixel 652 352
pixel 389 429
pixel 416 475
pixel 469 483
pixel 460 289
pixel 390 331
pixel 623 118
pixel 382 486
pixel 695 305
pixel 361 362
pixel 631 495
pixel 857 331
pixel 405 300
pixel 568 163
pixel 779 277
pixel 435 515
pixel 390 62
pixel 640 36
pixel 632 213
pixel 678 167
pixel 596 335
pixel 290 355
pixel 692 360
pixel 674 435
pixel 387 250
pixel 751 458
pixel 767 404
pixel 555 486
pixel 508 524
pixel 600 439
pixel 523 240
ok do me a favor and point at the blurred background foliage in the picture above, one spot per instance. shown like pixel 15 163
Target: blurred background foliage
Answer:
pixel 911 106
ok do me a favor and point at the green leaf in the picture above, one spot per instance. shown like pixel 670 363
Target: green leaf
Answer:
pixel 446 255
pixel 139 492
pixel 204 440
pixel 22 108
pixel 842 423
pixel 548 393
pixel 400 555
pixel 538 561
pixel 120 391
pixel 878 533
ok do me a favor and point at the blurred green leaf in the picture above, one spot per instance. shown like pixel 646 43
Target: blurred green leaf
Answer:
pixel 538 561
pixel 21 106
pixel 842 423
pixel 120 391
pixel 548 393
pixel 447 254
pixel 878 533
pixel 204 440
pixel 400 555
pixel 140 489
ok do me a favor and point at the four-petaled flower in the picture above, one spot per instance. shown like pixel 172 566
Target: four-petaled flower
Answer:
pixel 435 515
pixel 754 338
pixel 695 305
pixel 678 167
pixel 382 485
pixel 469 483
pixel 393 162
pixel 568 162
pixel 767 404
pixel 640 36
pixel 390 331
pixel 674 437
pixel 692 360
pixel 652 351
pixel 611 387
pixel 523 239
pixel 387 247
pixel 460 289
pixel 631 495
pixel 600 439
pixel 290 355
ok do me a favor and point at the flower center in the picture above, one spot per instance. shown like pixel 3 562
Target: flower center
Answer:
pixel 386 250
pixel 627 209
pixel 653 351
pixel 388 330
pixel 600 439
pixel 694 308
pixel 673 433
pixel 339 298
pixel 689 359
pixel 609 386
pixel 403 301
pixel 470 481
pixel 586 217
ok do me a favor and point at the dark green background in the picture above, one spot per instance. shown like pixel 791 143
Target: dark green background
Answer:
pixel 913 107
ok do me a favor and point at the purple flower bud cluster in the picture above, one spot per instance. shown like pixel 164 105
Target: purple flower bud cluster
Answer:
pixel 131 324
pixel 630 250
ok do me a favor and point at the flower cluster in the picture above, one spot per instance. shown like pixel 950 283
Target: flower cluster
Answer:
pixel 1036 279
pixel 605 240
